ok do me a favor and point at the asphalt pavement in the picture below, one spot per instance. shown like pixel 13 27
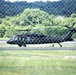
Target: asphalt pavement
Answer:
pixel 66 46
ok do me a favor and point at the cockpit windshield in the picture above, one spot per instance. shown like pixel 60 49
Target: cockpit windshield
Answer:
pixel 14 38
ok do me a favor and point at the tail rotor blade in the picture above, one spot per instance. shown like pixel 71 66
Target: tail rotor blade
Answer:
pixel 73 25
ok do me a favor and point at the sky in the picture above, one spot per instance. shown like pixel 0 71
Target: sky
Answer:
pixel 31 0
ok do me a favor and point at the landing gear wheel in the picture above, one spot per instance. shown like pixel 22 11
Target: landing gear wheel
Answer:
pixel 53 45
pixel 20 45
pixel 24 45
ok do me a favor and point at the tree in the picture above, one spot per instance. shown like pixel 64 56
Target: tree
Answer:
pixel 2 31
pixel 73 15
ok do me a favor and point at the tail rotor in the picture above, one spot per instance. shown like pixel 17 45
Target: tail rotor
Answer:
pixel 71 28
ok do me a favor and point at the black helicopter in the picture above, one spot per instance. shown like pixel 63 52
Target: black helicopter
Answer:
pixel 33 38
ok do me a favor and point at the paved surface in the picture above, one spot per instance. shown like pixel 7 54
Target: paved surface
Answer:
pixel 36 48
pixel 66 46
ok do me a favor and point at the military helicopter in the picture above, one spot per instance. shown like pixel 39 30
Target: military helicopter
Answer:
pixel 34 38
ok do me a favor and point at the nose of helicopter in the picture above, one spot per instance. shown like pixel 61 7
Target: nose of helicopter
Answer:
pixel 8 42
pixel 11 42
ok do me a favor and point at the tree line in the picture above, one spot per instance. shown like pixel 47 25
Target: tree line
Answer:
pixel 63 7
pixel 36 21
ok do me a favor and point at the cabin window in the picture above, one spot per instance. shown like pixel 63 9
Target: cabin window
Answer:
pixel 13 38
pixel 23 39
pixel 28 38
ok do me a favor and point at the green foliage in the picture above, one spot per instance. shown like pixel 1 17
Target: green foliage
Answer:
pixel 36 21
pixel 30 17
pixel 11 33
pixel 33 17
pixel 55 31
pixel 2 30
pixel 73 15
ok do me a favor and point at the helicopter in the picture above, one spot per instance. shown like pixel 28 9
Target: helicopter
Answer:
pixel 34 38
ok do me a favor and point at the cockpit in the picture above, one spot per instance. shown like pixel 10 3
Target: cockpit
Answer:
pixel 13 40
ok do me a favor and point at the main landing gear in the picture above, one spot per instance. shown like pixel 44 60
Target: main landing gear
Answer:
pixel 20 45
pixel 60 45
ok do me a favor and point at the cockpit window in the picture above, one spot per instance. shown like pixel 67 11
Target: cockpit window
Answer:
pixel 14 38
pixel 28 39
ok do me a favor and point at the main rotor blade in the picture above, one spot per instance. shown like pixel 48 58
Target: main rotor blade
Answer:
pixel 24 30
pixel 16 30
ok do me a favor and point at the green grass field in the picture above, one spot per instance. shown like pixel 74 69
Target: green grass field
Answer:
pixel 41 62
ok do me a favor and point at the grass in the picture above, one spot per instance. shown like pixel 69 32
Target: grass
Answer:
pixel 41 62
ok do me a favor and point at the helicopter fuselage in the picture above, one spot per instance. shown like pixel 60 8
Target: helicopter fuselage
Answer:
pixel 24 39
pixel 33 38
